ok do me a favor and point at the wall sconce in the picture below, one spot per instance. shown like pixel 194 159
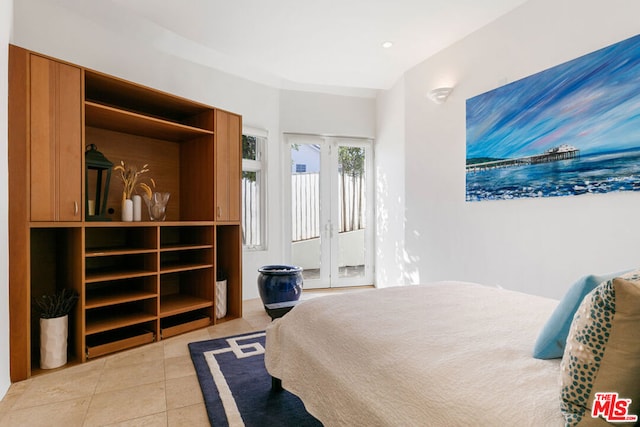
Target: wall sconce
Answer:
pixel 440 94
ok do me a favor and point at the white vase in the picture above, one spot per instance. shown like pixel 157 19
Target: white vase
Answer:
pixel 53 342
pixel 127 210
pixel 221 299
pixel 137 207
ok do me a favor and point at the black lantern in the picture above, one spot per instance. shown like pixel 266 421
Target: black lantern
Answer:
pixel 96 185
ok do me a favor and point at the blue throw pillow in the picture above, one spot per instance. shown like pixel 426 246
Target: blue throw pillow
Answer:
pixel 552 338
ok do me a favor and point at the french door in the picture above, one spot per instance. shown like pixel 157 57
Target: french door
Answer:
pixel 331 210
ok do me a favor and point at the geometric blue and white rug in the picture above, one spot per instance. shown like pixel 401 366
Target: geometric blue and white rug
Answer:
pixel 237 388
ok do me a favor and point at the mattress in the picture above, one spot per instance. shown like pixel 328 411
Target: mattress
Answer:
pixel 442 354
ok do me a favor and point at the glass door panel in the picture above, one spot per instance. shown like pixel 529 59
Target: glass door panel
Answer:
pixel 331 205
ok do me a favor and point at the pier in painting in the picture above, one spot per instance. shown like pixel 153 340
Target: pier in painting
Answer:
pixel 562 152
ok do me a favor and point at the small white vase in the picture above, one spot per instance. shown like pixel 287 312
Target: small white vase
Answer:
pixel 53 342
pixel 221 299
pixel 127 210
pixel 137 207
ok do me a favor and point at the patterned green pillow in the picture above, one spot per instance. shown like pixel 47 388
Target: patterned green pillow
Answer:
pixel 602 355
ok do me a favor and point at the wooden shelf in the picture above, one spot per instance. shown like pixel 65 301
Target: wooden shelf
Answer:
pixel 161 224
pixel 176 268
pixel 182 324
pixel 57 224
pixel 110 90
pixel 104 298
pixel 105 275
pixel 106 117
pixel 184 247
pixel 98 252
pixel 108 323
pixel 117 340
pixel 173 304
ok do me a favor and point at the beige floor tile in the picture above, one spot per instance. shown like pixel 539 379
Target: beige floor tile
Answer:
pixel 128 404
pixel 256 315
pixel 253 305
pixel 233 327
pixel 71 415
pixel 178 345
pixel 144 354
pixel 155 420
pixel 12 396
pixel 126 376
pixel 71 383
pixel 183 391
pixel 188 416
pixel 176 367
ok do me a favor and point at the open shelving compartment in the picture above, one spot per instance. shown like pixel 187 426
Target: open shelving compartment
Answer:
pixel 186 278
pixel 121 288
pixel 122 106
pixel 228 259
pixel 185 304
pixel 186 300
pixel 55 262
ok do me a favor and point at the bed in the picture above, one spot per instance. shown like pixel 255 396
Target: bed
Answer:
pixel 444 354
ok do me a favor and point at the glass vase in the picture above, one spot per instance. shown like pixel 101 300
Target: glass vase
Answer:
pixel 157 205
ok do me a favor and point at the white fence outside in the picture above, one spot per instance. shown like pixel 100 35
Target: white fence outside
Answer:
pixel 251 232
pixel 305 205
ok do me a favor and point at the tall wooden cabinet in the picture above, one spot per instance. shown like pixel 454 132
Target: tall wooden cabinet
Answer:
pixel 138 282
pixel 228 165
pixel 55 125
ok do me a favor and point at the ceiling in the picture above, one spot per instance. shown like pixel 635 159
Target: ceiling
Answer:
pixel 290 43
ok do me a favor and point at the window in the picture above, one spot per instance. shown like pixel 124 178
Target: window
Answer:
pixel 301 168
pixel 253 188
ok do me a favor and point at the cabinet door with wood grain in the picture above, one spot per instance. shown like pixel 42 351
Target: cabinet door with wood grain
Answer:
pixel 227 160
pixel 55 106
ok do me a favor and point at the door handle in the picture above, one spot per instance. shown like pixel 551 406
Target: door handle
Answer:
pixel 328 228
pixel 75 208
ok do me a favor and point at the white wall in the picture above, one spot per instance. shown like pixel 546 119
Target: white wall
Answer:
pixel 535 245
pixel 390 259
pixel 6 15
pixel 324 114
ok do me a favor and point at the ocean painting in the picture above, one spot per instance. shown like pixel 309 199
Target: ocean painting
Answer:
pixel 569 130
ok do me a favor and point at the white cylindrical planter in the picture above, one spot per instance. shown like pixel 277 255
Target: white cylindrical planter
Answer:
pixel 137 207
pixel 127 210
pixel 221 299
pixel 53 342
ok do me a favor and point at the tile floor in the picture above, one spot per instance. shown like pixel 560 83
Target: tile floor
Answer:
pixel 154 385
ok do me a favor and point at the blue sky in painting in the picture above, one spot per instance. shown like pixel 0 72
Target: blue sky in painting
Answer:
pixel 592 103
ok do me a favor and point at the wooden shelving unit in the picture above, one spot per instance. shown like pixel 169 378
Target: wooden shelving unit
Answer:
pixel 138 282
pixel 105 117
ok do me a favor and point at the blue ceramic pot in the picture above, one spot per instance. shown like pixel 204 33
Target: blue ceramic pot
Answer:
pixel 279 283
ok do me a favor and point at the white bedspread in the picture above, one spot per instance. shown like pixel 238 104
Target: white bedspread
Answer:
pixel 447 354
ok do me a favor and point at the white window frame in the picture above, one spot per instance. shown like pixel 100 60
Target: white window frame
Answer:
pixel 259 166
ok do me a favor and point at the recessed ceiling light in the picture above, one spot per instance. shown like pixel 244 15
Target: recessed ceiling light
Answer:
pixel 387 45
